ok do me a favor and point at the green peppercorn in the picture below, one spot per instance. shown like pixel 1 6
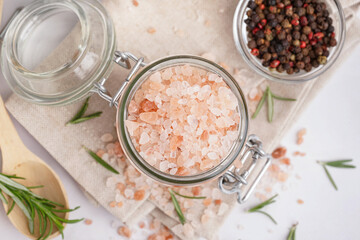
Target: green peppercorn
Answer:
pixel 322 60
pixel 296 43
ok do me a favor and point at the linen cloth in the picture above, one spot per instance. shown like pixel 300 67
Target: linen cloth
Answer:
pixel 181 27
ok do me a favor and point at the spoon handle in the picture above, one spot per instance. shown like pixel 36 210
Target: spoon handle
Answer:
pixel 10 142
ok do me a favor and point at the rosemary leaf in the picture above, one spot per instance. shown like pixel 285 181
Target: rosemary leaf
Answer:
pixel 283 98
pixel 33 187
pixel 177 207
pixel 292 232
pixel 270 100
pixel 190 197
pixel 2 197
pixel 81 112
pixel 330 178
pixel 339 163
pixel 100 161
pixel 263 204
pixel 266 214
pixel 11 208
pixel 258 208
pixel 261 103
pixel 86 118
pixel 32 204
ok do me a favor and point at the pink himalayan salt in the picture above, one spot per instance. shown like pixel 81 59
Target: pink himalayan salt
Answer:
pixel 183 120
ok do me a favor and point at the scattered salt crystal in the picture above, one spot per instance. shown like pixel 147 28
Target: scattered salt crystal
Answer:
pixel 188 230
pixel 129 193
pixel 106 137
pixel 209 56
pixel 117 197
pixel 216 193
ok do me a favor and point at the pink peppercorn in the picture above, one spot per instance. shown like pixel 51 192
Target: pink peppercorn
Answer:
pixel 274 63
pixel 303 21
pixel 254 31
pixel 295 22
pixel 303 44
pixel 319 35
pixel 310 35
pixel 255 52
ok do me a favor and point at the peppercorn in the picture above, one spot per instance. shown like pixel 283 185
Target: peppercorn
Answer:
pixel 326 53
pixel 278 48
pixel 322 60
pixel 279 17
pixel 282 59
pixel 255 52
pixel 252 5
pixel 305 51
pixel 306 59
pixel 290 71
pixel 260 41
pixel 263 49
pixel 315 63
pixel 309 9
pixel 296 70
pixel 260 34
pixel 296 35
pixel 274 55
pixel 296 43
pixel 272 2
pixel 289 11
pixel 299 56
pixel 251 44
pixel 270 16
pixel 280 68
pixel 255 18
pixel 258 2
pixel 308 67
pixel 267 56
pixel 303 21
pixel 301 11
pixel 302 44
pixel 332 42
pixel 281 35
pixel 300 65
pixel 318 51
pixel 295 21
pixel 313 25
pixel 266 63
pixel 285 43
pixel 304 38
pixel 274 63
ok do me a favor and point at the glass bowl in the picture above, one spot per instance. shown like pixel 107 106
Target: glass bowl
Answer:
pixel 241 41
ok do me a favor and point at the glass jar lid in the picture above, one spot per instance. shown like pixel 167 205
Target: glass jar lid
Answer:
pixel 54 51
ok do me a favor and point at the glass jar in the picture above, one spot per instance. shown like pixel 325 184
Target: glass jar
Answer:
pixel 241 41
pixel 88 62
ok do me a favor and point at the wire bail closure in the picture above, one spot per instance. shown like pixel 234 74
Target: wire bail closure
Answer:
pixel 122 59
pixel 235 179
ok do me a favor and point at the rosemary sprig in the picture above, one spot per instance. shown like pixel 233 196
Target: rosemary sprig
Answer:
pixel 177 207
pixel 337 164
pixel 269 96
pixel 100 161
pixel 292 232
pixel 190 197
pixel 79 116
pixel 258 208
pixel 32 204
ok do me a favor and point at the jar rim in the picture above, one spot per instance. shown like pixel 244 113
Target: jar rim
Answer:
pixel 30 12
pixel 141 164
pixel 241 45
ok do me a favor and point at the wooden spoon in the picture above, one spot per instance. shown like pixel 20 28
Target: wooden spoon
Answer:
pixel 17 159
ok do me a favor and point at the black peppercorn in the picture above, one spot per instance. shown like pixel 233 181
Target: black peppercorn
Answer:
pixel 296 70
pixel 252 44
pixel 315 63
pixel 286 66
pixel 272 2
pixel 278 48
pixel 300 65
pixel 296 35
pixel 318 51
pixel 260 34
pixel 252 5
pixel 266 63
pixel 281 35
pixel 255 18
pixel 270 16
pixel 299 56
pixel 267 56
pixel 333 42
pixel 326 53
pixel 308 67
pixel 298 3
pixel 290 71
pixel 306 59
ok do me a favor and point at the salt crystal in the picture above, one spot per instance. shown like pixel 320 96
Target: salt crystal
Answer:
pixel 222 209
pixel 173 171
pixel 144 138
pixel 188 230
pixel 192 121
pixel 129 193
pixel 216 193
pixel 209 56
pixel 163 166
pixel 212 155
pixel 131 126
pixel 155 77
pixel 117 197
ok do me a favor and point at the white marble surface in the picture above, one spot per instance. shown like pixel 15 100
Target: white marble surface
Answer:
pixel 332 121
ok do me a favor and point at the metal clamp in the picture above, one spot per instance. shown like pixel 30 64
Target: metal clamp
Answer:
pixel 235 179
pixel 123 59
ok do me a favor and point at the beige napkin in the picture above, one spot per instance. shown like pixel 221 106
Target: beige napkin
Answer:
pixel 182 27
